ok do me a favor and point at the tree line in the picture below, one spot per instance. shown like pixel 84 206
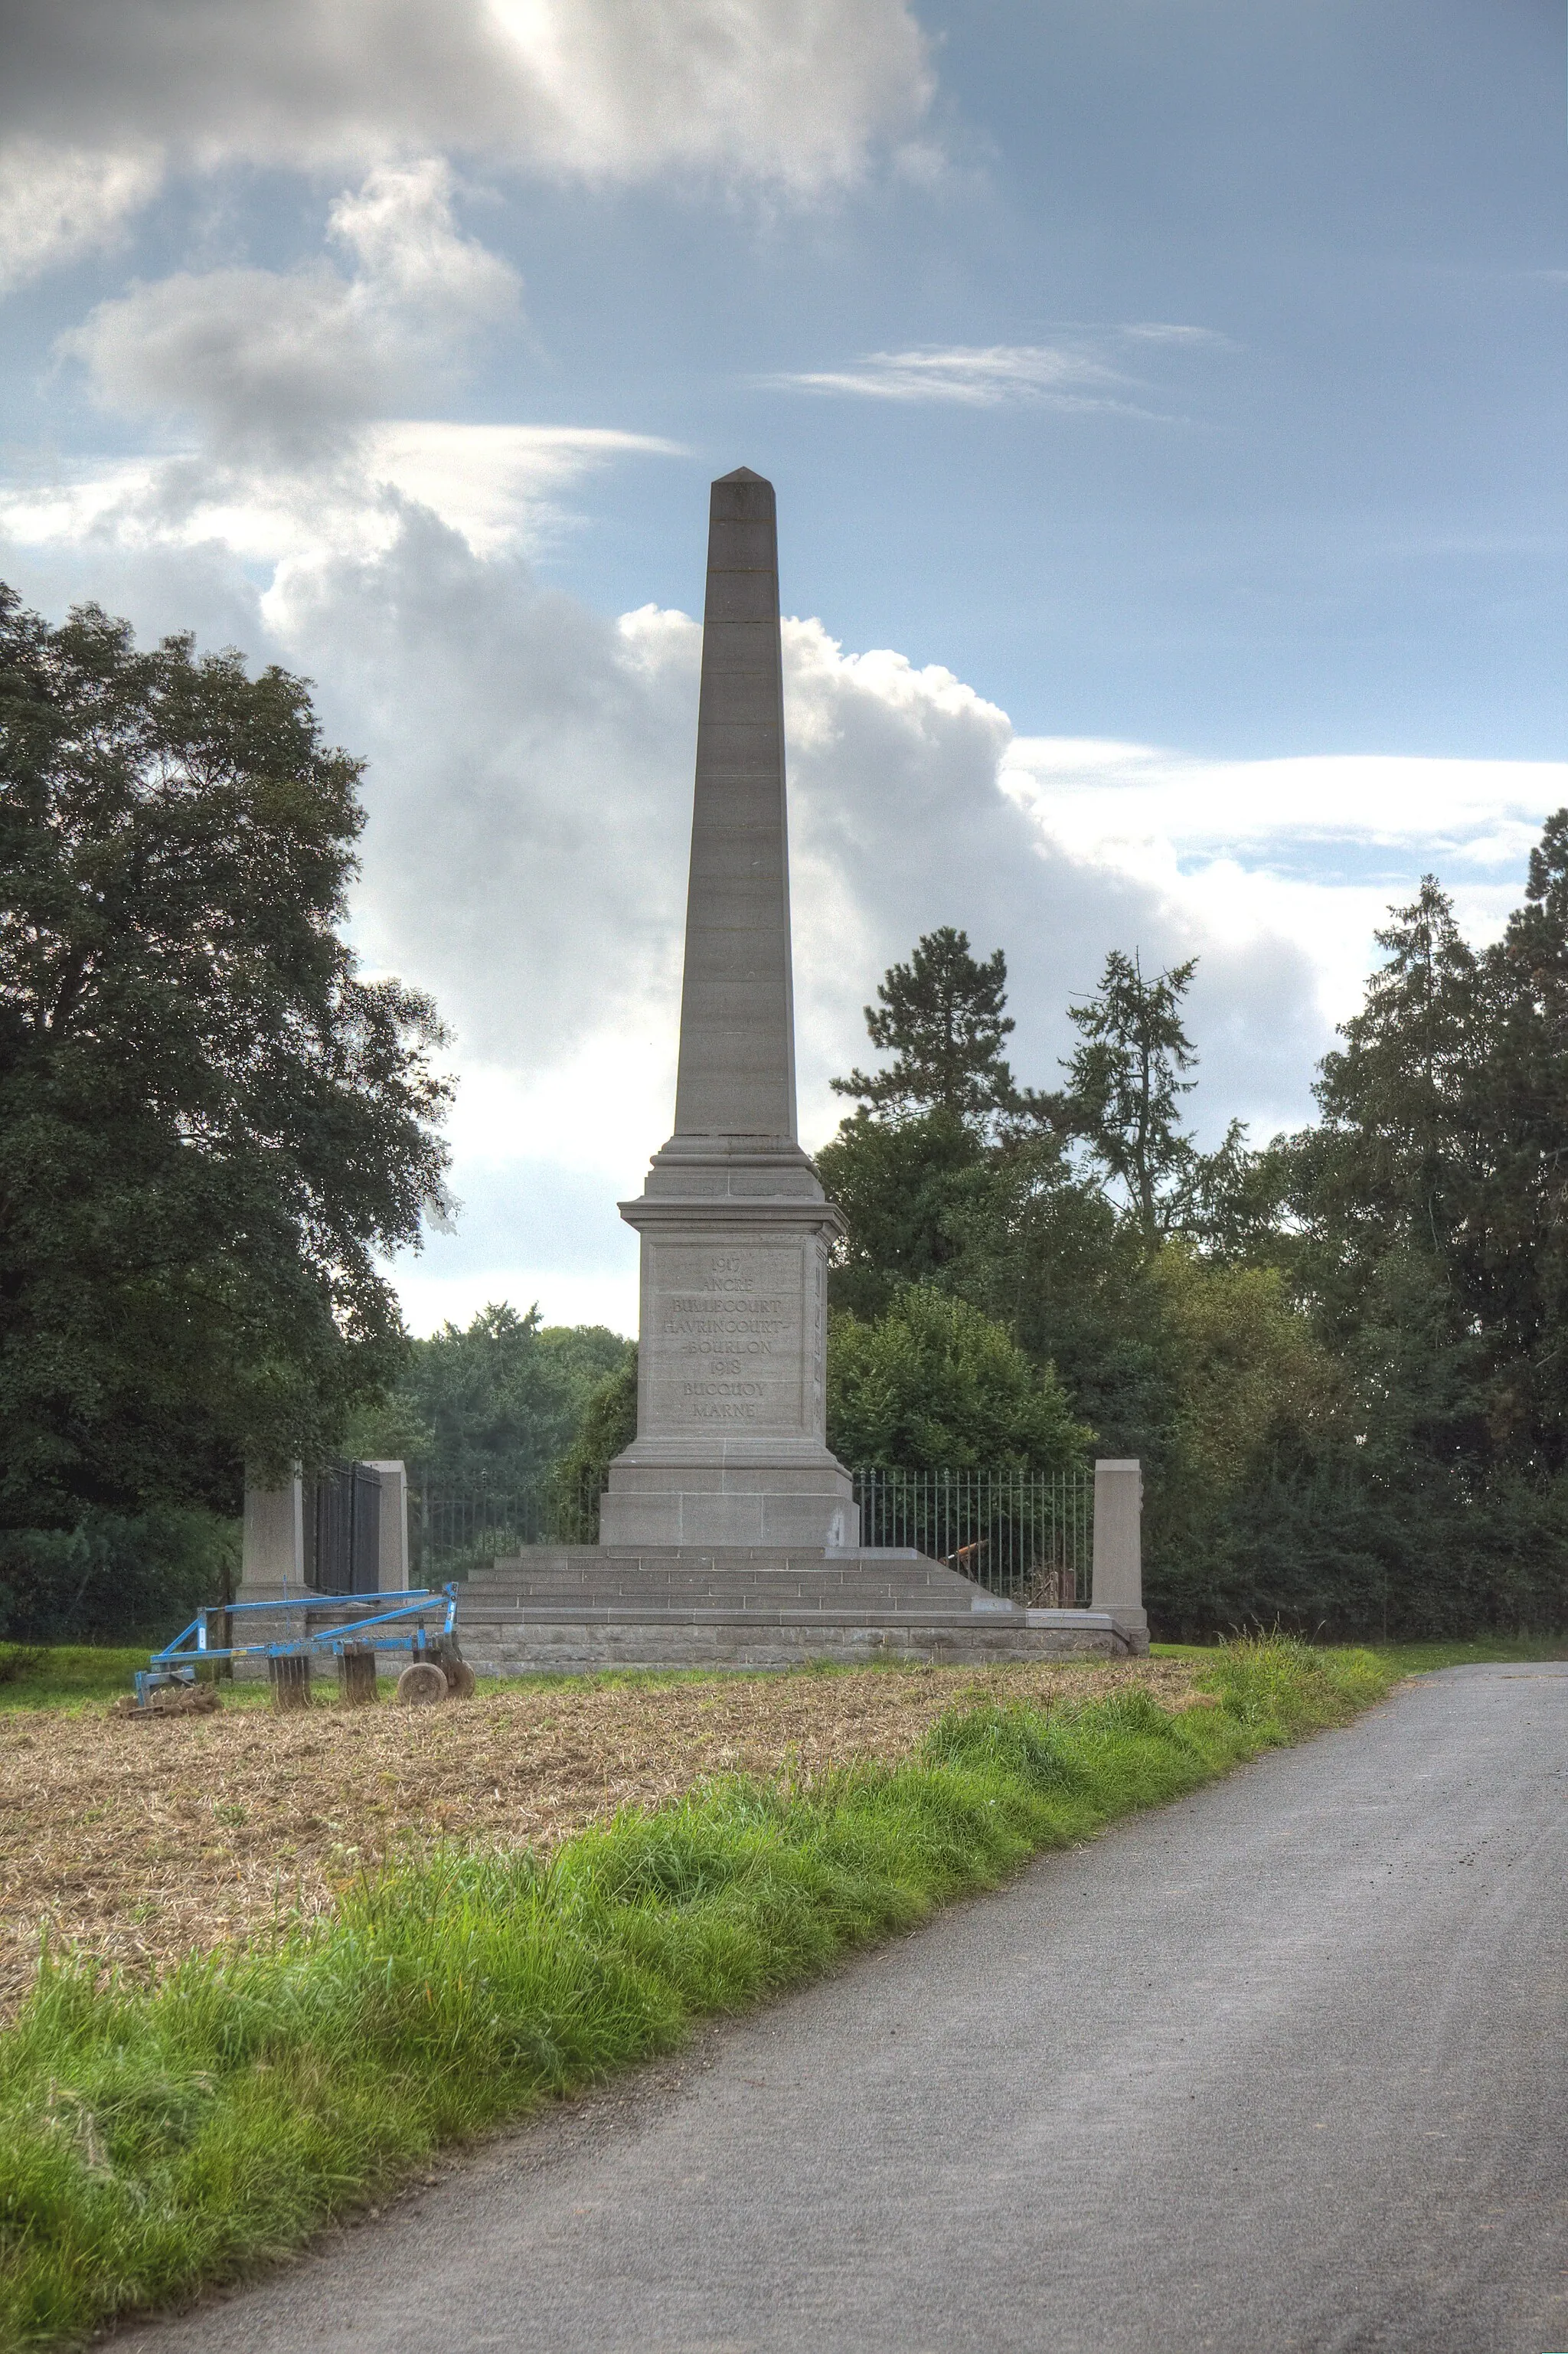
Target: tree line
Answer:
pixel 1340 1354
pixel 1342 1357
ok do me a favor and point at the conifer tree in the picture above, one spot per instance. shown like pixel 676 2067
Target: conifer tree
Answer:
pixel 941 1018
pixel 1125 1083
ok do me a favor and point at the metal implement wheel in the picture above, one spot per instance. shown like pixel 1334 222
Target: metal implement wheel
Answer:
pixel 460 1679
pixel 419 1685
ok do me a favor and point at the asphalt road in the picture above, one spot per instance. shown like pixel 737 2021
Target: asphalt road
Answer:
pixel 1281 2067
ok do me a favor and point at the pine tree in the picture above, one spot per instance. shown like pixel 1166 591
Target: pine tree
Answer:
pixel 1123 1086
pixel 941 1018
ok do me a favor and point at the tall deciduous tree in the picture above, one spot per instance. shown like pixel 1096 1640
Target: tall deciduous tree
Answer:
pixel 493 1404
pixel 904 1188
pixel 1393 1183
pixel 1341 1359
pixel 1515 1263
pixel 210 1126
pixel 1434 1197
pixel 935 1382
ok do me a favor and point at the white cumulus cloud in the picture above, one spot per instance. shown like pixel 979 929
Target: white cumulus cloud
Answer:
pixel 58 203
pixel 286 389
pixel 501 487
pixel 100 98
pixel 529 797
pixel 270 360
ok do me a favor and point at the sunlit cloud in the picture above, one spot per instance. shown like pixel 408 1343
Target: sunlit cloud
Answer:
pixel 1104 796
pixel 499 485
pixel 58 203
pixel 1085 369
pixel 101 101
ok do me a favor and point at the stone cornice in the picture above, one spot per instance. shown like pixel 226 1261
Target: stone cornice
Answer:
pixel 753 1214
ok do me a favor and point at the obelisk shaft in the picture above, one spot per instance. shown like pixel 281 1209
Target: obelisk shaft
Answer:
pixel 731 1445
pixel 738 1026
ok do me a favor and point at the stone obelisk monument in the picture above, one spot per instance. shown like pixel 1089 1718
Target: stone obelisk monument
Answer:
pixel 731 1446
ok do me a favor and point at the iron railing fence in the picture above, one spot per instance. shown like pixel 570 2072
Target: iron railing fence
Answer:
pixel 454 1531
pixel 1025 1534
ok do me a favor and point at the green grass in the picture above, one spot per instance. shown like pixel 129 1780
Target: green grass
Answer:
pixel 152 2141
pixel 83 1675
pixel 80 1674
pixel 87 1675
pixel 1420 1658
pixel 68 1675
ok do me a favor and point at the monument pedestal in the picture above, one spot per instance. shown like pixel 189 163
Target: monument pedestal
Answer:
pixel 731 1407
pixel 729 1501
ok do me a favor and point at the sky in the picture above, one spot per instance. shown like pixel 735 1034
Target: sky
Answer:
pixel 1165 403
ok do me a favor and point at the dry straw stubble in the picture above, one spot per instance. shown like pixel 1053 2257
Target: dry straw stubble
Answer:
pixel 141 1843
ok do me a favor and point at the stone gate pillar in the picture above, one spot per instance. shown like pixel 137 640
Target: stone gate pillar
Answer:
pixel 1118 1547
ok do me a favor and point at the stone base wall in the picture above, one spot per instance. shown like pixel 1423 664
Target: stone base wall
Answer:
pixel 727 1506
pixel 573 1647
pixel 569 1609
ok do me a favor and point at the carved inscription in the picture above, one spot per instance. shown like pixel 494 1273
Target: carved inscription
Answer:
pixel 729 1332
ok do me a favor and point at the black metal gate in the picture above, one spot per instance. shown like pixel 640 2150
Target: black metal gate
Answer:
pixel 347 1529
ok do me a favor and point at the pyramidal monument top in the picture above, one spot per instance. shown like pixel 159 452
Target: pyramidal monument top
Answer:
pixel 731 1446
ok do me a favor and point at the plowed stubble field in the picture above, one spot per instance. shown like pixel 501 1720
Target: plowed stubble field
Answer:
pixel 140 1843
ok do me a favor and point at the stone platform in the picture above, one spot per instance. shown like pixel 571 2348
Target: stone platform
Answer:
pixel 575 1608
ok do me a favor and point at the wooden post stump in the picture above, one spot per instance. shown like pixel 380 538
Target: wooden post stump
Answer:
pixel 291 1681
pixel 356 1675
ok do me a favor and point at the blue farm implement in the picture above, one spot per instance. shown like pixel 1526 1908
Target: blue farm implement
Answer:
pixel 350 1631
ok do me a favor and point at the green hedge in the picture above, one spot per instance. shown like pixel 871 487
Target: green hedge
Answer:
pixel 111 1578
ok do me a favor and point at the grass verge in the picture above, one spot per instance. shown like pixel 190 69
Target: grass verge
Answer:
pixel 1486 1650
pixel 154 2141
pixel 1420 1658
pixel 66 1675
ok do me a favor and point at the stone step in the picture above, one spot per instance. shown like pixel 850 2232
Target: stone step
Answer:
pixel 733 1598
pixel 784 1565
pixel 633 1614
pixel 954 1596
pixel 858 1605
pixel 708 1581
pixel 869 1605
pixel 589 1563
pixel 863 1603
pixel 674 1559
pixel 918 1577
